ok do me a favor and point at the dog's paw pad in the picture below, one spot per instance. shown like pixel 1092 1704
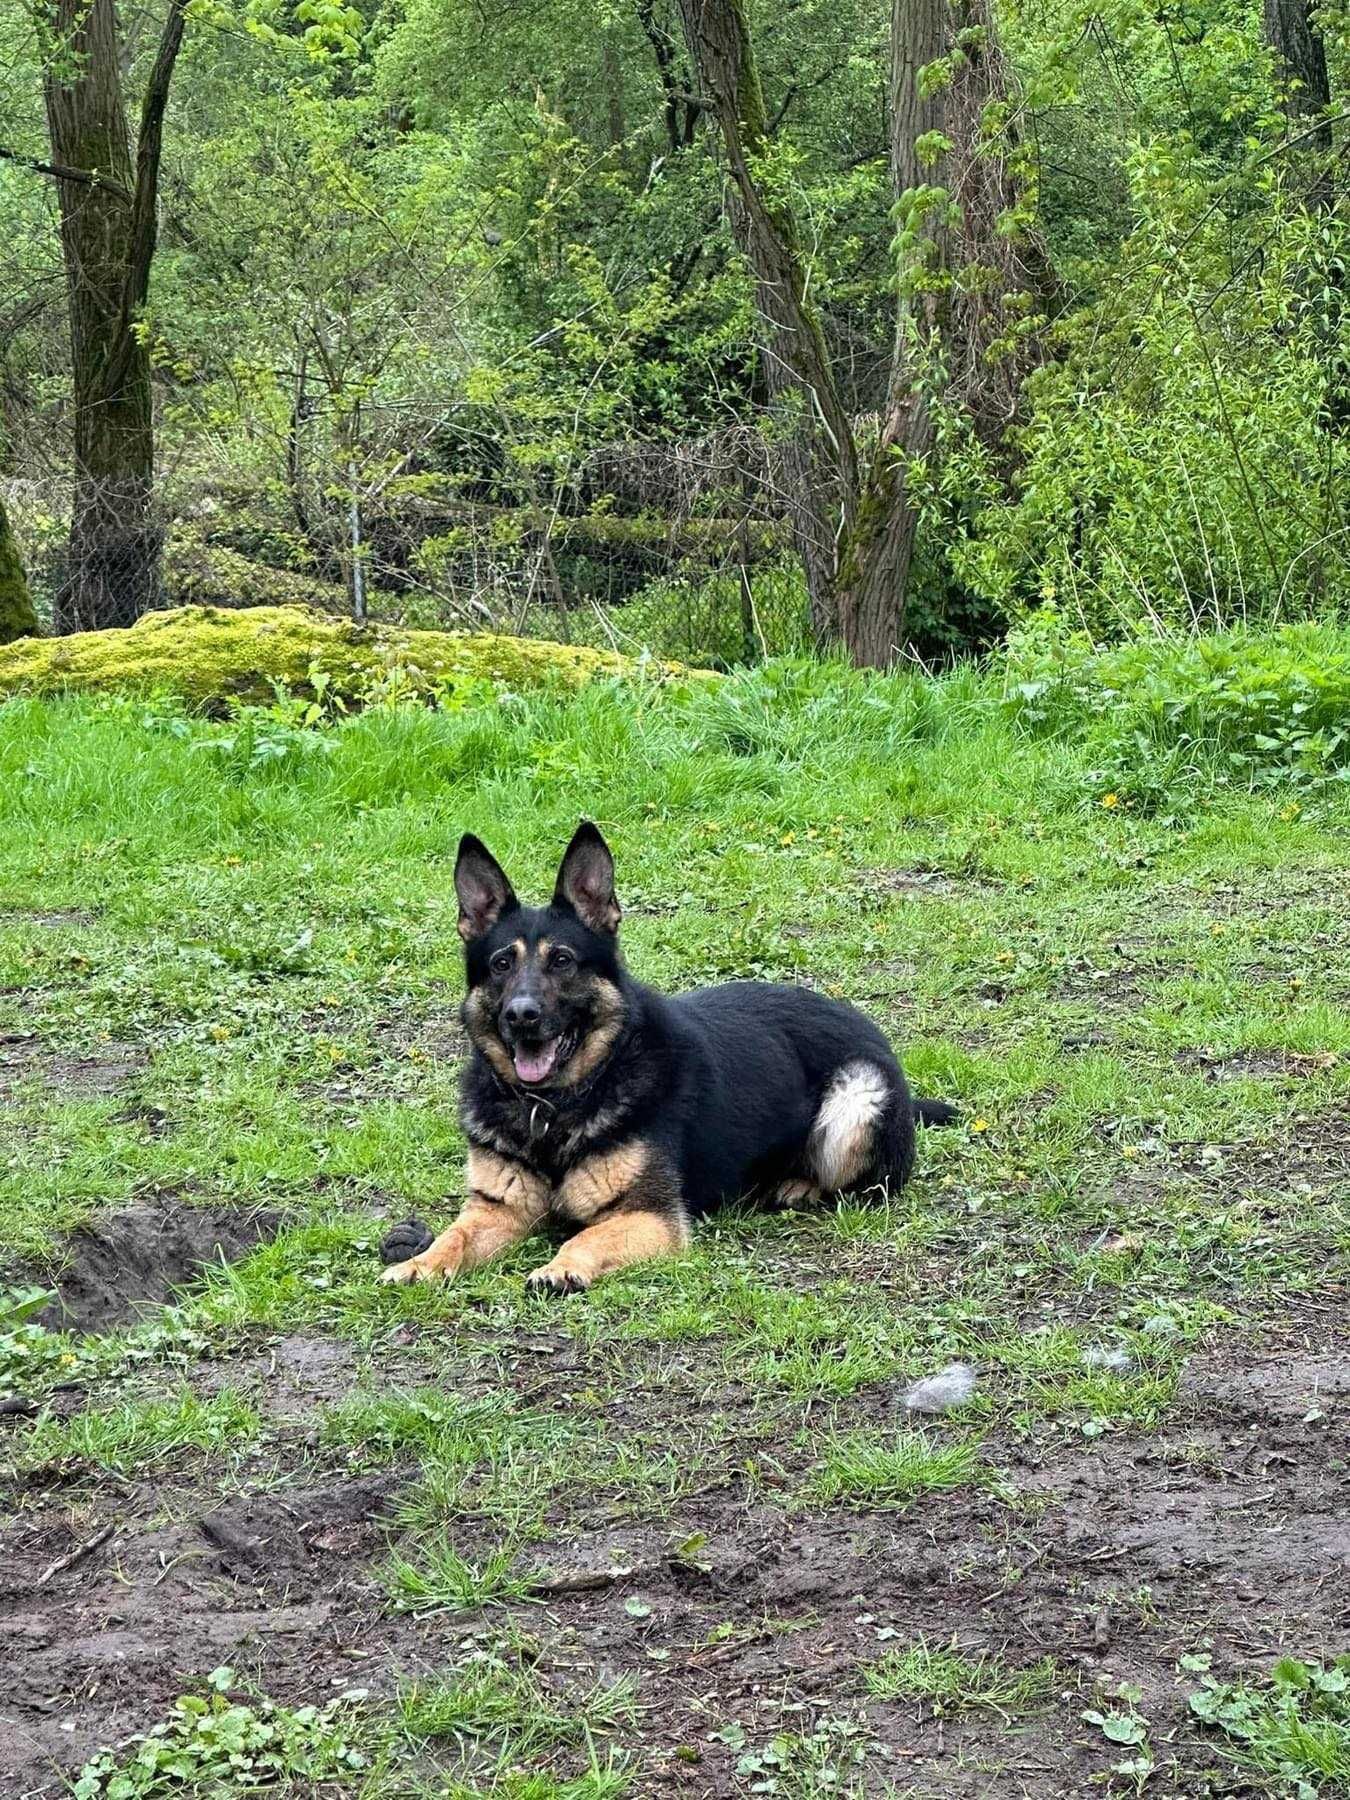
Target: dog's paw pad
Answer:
pixel 554 1282
pixel 408 1238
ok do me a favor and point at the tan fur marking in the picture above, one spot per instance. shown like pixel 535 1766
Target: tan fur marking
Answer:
pixel 506 1201
pixel 484 1229
pixel 507 1181
pixel 601 1180
pixel 599 1040
pixel 614 1243
pixel 483 1034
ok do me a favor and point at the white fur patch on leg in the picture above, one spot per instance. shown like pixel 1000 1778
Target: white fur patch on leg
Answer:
pixel 843 1136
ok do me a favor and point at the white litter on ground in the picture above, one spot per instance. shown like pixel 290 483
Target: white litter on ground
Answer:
pixel 939 1393
pixel 1117 1361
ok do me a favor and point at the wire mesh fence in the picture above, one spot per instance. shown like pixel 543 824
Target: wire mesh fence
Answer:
pixel 683 549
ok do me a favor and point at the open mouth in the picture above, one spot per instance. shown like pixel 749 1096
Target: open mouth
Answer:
pixel 536 1062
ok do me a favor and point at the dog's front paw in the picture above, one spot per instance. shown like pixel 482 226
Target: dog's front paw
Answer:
pixel 409 1238
pixel 555 1281
pixel 415 1268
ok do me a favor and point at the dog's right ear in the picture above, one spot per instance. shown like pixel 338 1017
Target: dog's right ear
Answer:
pixel 482 888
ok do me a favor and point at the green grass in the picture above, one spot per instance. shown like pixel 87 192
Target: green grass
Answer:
pixel 499 1699
pixel 951 1682
pixel 435 1577
pixel 1295 1728
pixel 891 1469
pixel 138 1436
pixel 1142 1009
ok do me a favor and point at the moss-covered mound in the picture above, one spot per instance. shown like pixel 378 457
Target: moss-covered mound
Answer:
pixel 207 655
pixel 17 618
pixel 197 573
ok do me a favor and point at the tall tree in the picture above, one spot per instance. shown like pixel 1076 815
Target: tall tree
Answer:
pixel 964 274
pixel 1301 57
pixel 108 204
pixel 17 618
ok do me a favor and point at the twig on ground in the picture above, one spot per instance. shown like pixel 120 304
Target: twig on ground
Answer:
pixel 76 1555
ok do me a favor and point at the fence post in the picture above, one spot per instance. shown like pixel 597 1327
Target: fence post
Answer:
pixel 358 564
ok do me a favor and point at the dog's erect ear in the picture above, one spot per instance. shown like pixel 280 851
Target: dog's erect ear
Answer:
pixel 483 890
pixel 586 880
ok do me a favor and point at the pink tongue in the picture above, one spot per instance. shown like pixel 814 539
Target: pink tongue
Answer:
pixel 535 1065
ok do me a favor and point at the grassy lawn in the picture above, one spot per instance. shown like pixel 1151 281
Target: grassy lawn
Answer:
pixel 681 1534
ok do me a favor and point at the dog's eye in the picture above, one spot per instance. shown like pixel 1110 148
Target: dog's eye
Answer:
pixel 503 962
pixel 558 958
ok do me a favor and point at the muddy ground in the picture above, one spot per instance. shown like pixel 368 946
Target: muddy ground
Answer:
pixel 1228 1528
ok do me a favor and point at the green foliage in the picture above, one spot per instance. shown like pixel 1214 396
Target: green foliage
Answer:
pixel 1296 1729
pixel 1182 461
pixel 132 1435
pixel 439 1578
pixel 711 622
pixel 214 1745
pixel 1158 714
pixel 867 1470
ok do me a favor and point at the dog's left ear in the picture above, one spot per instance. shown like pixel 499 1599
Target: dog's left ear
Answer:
pixel 586 881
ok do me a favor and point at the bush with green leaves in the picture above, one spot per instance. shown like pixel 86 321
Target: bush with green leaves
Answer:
pixel 1159 712
pixel 214 1745
pixel 715 621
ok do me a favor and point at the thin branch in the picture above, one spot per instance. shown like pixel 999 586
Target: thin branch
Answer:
pixel 63 172
pixel 145 200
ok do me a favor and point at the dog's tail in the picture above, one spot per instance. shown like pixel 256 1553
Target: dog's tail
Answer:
pixel 935 1112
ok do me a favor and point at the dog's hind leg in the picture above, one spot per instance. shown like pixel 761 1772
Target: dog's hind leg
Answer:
pixel 863 1133
pixel 803 1190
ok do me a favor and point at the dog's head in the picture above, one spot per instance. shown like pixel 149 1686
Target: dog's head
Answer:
pixel 545 988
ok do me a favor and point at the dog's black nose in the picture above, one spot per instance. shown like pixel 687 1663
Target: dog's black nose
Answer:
pixel 522 1013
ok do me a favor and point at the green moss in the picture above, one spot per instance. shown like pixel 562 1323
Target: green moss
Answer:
pixel 17 618
pixel 208 654
pixel 197 573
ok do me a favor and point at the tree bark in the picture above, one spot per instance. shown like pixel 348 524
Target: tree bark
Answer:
pixel 874 574
pixel 820 454
pixel 17 617
pixel 1301 57
pixel 108 243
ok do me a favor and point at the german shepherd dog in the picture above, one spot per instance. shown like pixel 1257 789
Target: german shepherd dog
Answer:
pixel 591 1099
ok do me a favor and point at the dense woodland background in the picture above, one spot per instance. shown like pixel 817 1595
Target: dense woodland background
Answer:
pixel 718 328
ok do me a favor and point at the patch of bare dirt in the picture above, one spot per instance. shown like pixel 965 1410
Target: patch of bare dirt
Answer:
pixel 1243 1065
pixel 277 1585
pixel 103 1069
pixel 124 1261
pixel 1119 1556
pixel 919 882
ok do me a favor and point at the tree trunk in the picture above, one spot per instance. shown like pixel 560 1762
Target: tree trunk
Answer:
pixel 957 197
pixel 108 241
pixel 821 473
pixel 874 576
pixel 1301 60
pixel 958 201
pixel 17 617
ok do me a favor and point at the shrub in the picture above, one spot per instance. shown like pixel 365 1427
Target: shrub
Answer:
pixel 1253 709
